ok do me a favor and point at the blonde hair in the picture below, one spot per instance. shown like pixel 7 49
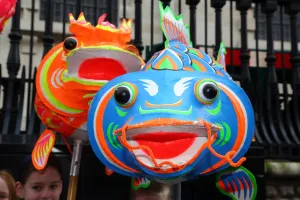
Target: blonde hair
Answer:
pixel 10 181
pixel 158 190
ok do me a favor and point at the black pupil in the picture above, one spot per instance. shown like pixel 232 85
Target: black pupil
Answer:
pixel 122 95
pixel 70 43
pixel 210 91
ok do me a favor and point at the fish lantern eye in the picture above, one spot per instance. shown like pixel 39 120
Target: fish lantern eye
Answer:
pixel 125 94
pixel 70 43
pixel 206 91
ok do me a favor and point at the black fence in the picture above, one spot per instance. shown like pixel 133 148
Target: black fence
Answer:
pixel 274 89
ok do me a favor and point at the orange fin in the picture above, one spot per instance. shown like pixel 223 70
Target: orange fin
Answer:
pixel 42 149
pixel 108 171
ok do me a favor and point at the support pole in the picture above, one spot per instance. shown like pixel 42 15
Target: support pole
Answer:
pixel 74 172
pixel 176 192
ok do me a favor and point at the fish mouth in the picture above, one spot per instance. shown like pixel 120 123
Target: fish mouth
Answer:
pixel 166 144
pixel 101 63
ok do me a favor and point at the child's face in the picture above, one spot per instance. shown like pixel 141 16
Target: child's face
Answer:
pixel 4 192
pixel 41 185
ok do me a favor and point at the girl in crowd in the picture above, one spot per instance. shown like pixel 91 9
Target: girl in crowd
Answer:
pixel 156 191
pixel 40 185
pixel 7 186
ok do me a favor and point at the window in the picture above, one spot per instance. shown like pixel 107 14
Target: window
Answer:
pixel 262 24
pixel 87 7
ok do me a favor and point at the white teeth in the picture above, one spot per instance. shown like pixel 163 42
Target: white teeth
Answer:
pixel 182 159
pixel 165 167
pixel 213 127
pixel 200 122
pixel 181 163
pixel 198 129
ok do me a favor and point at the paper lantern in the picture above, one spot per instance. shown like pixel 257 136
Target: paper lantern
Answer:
pixel 73 71
pixel 7 9
pixel 180 117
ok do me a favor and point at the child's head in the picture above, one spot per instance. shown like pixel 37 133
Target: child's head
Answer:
pixel 7 186
pixel 44 184
pixel 156 191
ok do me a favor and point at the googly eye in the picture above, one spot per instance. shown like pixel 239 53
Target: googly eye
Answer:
pixel 125 94
pixel 206 91
pixel 70 43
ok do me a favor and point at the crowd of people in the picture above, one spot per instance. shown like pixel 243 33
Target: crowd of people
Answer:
pixel 46 184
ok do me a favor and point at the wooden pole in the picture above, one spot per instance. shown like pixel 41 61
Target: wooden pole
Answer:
pixel 176 192
pixel 74 172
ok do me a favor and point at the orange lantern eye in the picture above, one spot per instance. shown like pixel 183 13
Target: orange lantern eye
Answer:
pixel 70 43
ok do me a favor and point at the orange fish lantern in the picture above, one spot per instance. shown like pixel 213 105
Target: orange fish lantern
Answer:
pixel 72 72
pixel 7 9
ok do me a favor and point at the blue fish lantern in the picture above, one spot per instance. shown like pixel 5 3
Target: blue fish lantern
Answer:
pixel 180 117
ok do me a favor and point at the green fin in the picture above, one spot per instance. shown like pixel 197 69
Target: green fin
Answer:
pixel 221 56
pixel 173 26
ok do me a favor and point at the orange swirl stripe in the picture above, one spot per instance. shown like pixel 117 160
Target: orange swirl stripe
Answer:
pixel 100 134
pixel 240 134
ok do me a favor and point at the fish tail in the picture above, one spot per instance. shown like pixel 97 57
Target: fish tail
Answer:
pixel 237 183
